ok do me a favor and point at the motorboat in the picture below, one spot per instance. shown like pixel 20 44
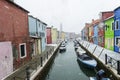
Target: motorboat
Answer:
pixel 86 60
pixel 62 47
pixel 80 51
pixel 100 75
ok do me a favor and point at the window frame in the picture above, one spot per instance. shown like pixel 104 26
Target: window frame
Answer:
pixel 24 50
pixel 116 25
pixel 115 41
pixel 112 26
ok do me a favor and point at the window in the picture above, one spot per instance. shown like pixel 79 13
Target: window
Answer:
pixel 117 41
pixel 117 25
pixel 106 27
pixel 112 28
pixel 22 48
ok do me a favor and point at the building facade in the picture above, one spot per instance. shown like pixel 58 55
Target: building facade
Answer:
pixel 35 37
pixel 109 33
pixel 54 35
pixel 117 30
pixel 14 28
pixel 95 38
pixel 49 35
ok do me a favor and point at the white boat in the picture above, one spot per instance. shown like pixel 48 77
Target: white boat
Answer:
pixel 62 47
pixel 80 51
pixel 86 60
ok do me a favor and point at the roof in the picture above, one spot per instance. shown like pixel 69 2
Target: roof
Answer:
pixel 106 11
pixel 109 17
pixel 48 27
pixel 17 6
pixel 97 21
pixel 116 8
pixel 38 19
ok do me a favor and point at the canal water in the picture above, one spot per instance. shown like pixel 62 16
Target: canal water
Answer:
pixel 66 67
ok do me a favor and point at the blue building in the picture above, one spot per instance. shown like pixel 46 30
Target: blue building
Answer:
pixel 95 39
pixel 117 30
pixel 37 32
pixel 41 29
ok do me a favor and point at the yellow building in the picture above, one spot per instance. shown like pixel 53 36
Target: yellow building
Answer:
pixel 63 35
pixel 54 35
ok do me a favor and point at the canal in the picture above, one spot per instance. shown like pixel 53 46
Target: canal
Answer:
pixel 66 67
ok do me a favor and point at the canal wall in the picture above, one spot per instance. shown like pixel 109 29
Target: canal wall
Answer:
pixel 40 72
pixel 107 60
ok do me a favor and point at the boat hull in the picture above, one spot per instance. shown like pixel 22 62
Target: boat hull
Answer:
pixel 89 64
pixel 94 78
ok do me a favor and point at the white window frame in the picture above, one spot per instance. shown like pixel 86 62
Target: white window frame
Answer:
pixel 24 49
pixel 115 40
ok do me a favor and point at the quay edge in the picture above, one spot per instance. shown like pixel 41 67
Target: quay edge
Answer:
pixel 39 72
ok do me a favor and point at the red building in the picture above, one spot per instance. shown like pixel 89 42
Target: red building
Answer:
pixel 103 16
pixel 49 35
pixel 14 28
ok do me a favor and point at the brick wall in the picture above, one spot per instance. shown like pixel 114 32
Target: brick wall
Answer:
pixel 14 26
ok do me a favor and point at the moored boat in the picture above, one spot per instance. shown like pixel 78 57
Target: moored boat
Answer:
pixel 100 75
pixel 86 60
pixel 62 48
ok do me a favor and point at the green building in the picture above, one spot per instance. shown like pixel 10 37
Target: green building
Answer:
pixel 109 33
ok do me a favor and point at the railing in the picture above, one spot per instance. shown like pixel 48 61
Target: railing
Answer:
pixel 112 63
pixel 32 66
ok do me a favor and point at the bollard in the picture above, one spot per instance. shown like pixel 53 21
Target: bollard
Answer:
pixel 118 67
pixel 105 58
pixel 41 60
pixel 28 73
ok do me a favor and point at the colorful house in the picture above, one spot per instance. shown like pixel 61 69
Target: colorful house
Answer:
pixel 49 35
pixel 41 27
pixel 54 35
pixel 103 16
pixel 95 31
pixel 85 32
pixel 37 31
pixel 109 33
pixel 14 28
pixel 90 34
pixel 117 30
pixel 95 38
pixel 35 38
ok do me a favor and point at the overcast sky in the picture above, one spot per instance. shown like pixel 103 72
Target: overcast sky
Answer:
pixel 73 14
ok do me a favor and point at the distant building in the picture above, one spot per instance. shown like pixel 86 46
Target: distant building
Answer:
pixel 49 35
pixel 95 31
pixel 85 32
pixel 54 35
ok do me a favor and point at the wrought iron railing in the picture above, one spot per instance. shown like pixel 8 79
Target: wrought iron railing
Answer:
pixel 112 63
